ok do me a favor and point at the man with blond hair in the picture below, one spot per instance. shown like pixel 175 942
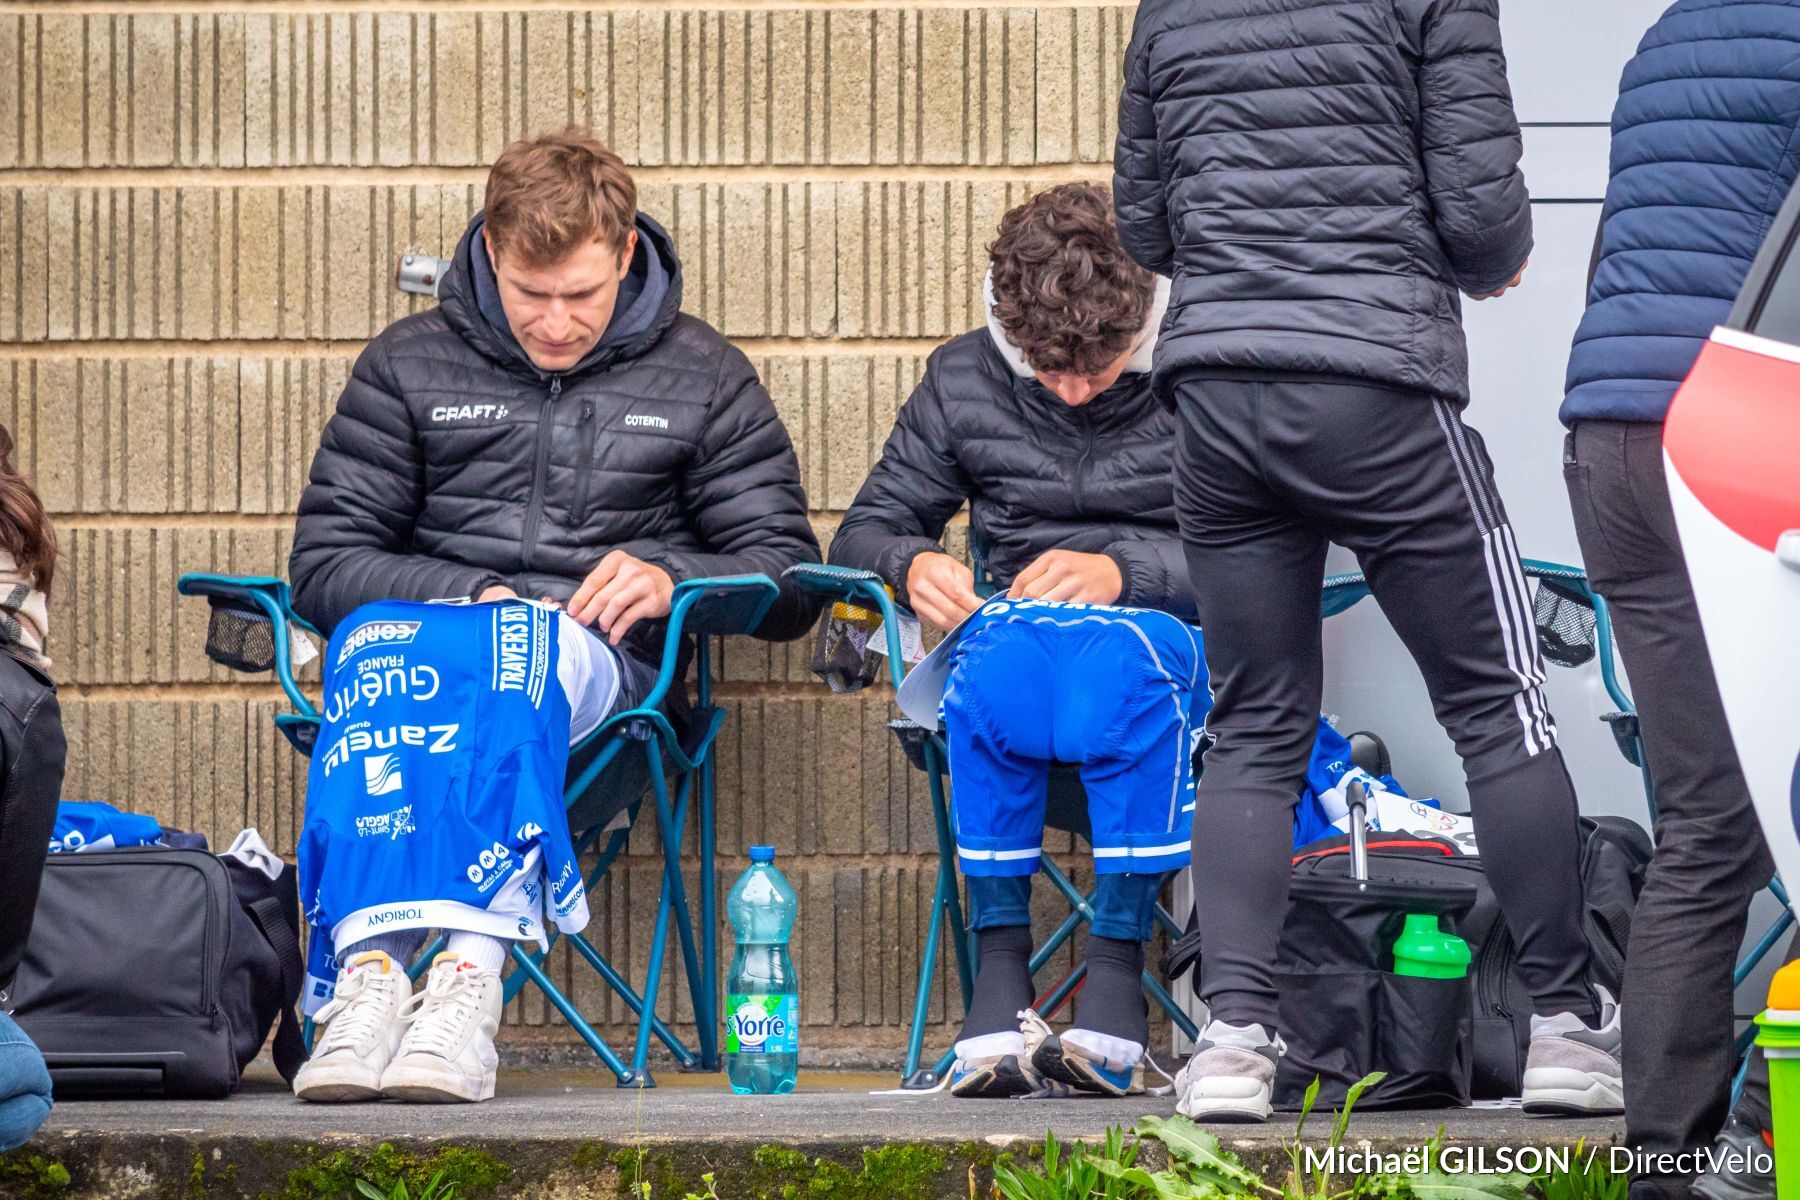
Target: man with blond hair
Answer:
pixel 556 433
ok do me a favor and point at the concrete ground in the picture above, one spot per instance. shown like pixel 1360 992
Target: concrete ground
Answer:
pixel 568 1132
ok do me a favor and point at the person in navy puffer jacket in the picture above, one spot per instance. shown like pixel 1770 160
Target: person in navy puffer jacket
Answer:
pixel 1704 150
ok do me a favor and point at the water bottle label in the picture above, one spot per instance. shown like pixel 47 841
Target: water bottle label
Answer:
pixel 762 1024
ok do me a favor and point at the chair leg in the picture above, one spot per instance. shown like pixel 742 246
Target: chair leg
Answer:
pixel 639 1075
pixel 633 1001
pixel 683 915
pixel 706 998
pixel 515 983
pixel 1764 944
pixel 910 1076
pixel 946 911
pixel 936 772
pixel 576 1021
pixel 422 963
pixel 1154 988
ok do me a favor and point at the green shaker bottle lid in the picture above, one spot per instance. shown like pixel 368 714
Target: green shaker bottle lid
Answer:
pixel 1425 951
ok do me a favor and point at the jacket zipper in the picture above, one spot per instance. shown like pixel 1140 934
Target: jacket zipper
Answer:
pixel 1079 476
pixel 534 510
pixel 585 471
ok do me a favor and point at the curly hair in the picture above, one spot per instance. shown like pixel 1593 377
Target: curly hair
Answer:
pixel 1065 291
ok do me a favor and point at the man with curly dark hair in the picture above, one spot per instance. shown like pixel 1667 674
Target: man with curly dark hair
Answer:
pixel 1043 423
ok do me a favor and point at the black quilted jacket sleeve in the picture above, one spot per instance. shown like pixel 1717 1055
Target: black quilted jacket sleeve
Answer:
pixel 913 491
pixel 1155 571
pixel 743 496
pixel 1138 196
pixel 352 539
pixel 1469 139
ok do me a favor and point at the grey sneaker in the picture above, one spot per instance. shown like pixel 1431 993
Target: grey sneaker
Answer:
pixel 1571 1070
pixel 1231 1076
pixel 1744 1166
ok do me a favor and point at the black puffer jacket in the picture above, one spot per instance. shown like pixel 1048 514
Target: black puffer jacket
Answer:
pixel 452 463
pixel 1320 179
pixel 1037 474
pixel 32 753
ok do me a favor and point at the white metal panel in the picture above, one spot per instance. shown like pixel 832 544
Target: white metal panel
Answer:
pixel 1564 56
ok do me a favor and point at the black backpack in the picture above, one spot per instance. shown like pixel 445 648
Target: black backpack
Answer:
pixel 159 971
pixel 1615 855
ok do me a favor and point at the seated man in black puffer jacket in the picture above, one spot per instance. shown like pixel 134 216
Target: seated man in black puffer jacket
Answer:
pixel 555 429
pixel 1044 424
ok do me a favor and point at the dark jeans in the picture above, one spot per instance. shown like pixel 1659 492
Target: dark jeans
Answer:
pixel 1269 470
pixel 1124 905
pixel 1710 858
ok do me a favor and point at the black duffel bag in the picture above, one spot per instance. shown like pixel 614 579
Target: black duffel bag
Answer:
pixel 1344 1013
pixel 1615 853
pixel 158 971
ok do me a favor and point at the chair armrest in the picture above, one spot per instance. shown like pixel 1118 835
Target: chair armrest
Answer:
pixel 865 589
pixel 724 605
pixel 270 597
pixel 721 606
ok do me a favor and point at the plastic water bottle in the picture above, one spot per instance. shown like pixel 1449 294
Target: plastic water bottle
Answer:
pixel 762 994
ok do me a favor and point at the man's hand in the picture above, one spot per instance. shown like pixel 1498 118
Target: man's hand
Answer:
pixel 498 591
pixel 619 593
pixel 1072 576
pixel 940 589
pixel 1507 286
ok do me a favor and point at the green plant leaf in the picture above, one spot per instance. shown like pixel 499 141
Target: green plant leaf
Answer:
pixel 1435 1185
pixel 1164 1185
pixel 370 1191
pixel 1202 1154
pixel 1342 1122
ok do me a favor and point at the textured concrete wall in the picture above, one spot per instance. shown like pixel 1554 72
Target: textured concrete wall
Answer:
pixel 200 208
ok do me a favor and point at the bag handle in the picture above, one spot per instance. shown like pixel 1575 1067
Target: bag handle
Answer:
pixel 288 1051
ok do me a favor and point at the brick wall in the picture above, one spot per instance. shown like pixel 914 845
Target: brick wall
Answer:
pixel 200 208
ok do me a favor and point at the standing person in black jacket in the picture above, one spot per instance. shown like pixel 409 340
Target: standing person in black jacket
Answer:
pixel 32 752
pixel 555 429
pixel 1044 424
pixel 1320 181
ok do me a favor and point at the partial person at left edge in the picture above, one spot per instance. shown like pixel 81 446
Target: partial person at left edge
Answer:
pixel 32 754
pixel 556 433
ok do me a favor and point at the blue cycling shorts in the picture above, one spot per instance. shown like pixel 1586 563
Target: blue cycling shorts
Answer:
pixel 1119 692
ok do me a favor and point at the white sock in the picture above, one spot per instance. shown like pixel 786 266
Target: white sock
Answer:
pixel 484 950
pixel 1118 1051
pixel 991 1045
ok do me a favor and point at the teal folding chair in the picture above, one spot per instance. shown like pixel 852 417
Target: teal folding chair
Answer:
pixel 926 751
pixel 1570 585
pixel 635 752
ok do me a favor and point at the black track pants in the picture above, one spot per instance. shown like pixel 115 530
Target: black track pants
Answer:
pixel 1270 469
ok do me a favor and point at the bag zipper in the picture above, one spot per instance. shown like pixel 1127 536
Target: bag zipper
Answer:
pixel 534 509
pixel 584 472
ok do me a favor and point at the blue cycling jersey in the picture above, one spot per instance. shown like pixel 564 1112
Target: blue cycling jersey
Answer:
pixel 435 793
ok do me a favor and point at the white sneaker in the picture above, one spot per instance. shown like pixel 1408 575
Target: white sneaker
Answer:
pixel 1231 1076
pixel 358 1032
pixel 1574 1071
pixel 447 1055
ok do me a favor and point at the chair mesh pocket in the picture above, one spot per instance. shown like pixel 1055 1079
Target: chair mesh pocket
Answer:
pixel 1565 623
pixel 239 636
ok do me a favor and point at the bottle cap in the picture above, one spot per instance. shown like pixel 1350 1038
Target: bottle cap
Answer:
pixel 762 854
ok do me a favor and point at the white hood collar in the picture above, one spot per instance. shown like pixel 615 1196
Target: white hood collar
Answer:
pixel 1142 350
